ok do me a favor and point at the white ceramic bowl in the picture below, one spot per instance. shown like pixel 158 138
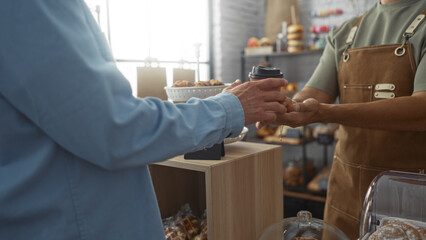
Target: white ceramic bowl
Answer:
pixel 181 94
pixel 236 139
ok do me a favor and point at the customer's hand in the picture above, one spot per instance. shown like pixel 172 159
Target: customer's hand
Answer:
pixel 298 114
pixel 259 101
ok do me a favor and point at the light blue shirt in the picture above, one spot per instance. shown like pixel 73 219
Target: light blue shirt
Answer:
pixel 74 142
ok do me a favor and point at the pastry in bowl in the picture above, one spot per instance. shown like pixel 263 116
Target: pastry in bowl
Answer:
pixel 214 82
pixel 201 84
pixel 183 83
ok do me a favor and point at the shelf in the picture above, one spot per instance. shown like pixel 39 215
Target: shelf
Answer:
pixel 282 54
pixel 278 140
pixel 278 55
pixel 304 195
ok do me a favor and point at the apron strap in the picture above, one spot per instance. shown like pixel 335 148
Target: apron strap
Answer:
pixel 409 32
pixel 399 51
pixel 352 33
pixel 413 26
pixel 350 38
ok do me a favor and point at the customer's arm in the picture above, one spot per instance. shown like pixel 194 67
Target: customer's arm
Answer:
pixel 57 70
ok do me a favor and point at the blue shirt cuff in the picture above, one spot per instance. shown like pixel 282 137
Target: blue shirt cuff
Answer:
pixel 234 113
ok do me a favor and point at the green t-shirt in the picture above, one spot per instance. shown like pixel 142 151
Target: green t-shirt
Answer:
pixel 382 24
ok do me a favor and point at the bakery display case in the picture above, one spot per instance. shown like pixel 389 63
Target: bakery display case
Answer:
pixel 241 193
pixel 302 227
pixel 395 207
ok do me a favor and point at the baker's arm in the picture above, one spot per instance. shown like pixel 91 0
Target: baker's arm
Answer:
pixel 310 92
pixel 403 113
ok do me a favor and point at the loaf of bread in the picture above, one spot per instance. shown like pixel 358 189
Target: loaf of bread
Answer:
pixel 294 28
pixel 399 229
pixel 293 174
pixel 294 36
pixel 188 225
pixel 214 82
pixel 296 43
pixel 203 233
pixel 201 84
pixel 265 131
pixel 173 233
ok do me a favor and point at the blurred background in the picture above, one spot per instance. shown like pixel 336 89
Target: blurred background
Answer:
pixel 217 39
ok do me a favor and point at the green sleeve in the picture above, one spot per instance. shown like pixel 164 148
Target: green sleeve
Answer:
pixel 324 77
pixel 420 78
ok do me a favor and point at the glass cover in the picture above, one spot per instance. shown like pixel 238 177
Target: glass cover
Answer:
pixel 302 227
pixel 395 202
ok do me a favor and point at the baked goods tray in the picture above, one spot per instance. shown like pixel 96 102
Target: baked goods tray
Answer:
pixel 395 226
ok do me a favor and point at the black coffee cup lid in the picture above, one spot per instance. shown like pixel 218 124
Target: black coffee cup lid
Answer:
pixel 260 72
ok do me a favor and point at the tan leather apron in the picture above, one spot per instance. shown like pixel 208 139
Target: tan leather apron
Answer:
pixel 370 74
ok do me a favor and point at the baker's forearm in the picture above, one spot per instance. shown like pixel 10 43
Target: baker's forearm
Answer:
pixel 309 92
pixel 404 113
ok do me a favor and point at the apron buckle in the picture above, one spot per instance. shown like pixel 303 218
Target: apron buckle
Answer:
pixel 400 51
pixel 346 57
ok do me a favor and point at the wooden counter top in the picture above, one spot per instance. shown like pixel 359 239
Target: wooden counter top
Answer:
pixel 233 152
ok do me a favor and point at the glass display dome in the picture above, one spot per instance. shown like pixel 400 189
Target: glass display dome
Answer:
pixel 302 227
pixel 395 207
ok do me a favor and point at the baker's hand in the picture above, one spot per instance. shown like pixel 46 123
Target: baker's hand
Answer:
pixel 298 114
pixel 259 102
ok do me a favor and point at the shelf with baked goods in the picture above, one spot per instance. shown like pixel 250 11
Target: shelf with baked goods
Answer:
pixel 241 193
pixel 282 135
pixel 294 57
pixel 300 178
pixel 284 54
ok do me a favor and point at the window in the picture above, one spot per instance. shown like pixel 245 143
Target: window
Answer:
pixel 155 32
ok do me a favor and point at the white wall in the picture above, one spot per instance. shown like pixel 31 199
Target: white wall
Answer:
pixel 234 22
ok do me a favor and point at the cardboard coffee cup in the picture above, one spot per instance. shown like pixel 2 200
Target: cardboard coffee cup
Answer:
pixel 260 72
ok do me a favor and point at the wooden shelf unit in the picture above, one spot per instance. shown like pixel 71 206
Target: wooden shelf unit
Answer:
pixel 300 191
pixel 304 195
pixel 242 193
pixel 283 54
pixel 274 55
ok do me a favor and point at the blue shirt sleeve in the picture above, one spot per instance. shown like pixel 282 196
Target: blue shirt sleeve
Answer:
pixel 56 69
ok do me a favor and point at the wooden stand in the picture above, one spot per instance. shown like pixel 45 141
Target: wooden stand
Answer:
pixel 242 192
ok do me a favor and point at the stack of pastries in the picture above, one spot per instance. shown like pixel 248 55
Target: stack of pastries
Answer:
pixel 295 38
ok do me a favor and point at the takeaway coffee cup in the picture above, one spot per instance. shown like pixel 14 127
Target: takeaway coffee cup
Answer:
pixel 260 72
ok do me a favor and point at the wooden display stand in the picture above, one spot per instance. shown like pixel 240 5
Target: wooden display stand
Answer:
pixel 242 192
